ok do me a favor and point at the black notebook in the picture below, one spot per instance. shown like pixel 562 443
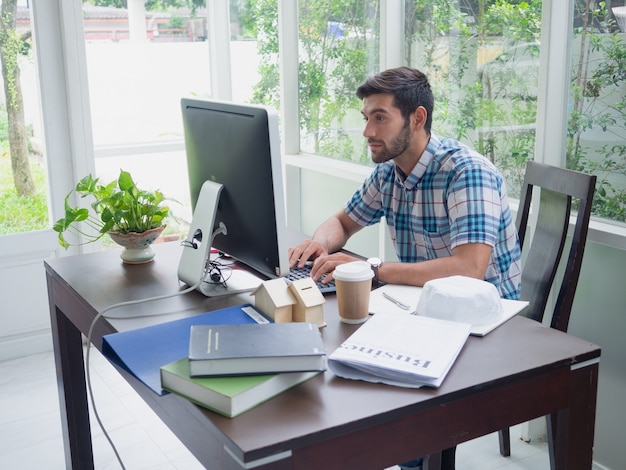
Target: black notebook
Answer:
pixel 216 350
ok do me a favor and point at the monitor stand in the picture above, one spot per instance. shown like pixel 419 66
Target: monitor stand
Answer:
pixel 197 249
pixel 197 246
pixel 238 282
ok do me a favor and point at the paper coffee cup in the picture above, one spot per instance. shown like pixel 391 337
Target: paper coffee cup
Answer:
pixel 353 285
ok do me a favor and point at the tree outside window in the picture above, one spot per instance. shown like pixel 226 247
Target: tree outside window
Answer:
pixel 482 57
pixel 596 137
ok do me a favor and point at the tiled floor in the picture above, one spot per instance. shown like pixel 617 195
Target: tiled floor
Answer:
pixel 30 428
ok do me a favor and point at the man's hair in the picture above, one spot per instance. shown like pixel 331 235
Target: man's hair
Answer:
pixel 409 87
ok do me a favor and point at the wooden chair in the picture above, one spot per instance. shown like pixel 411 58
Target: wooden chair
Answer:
pixel 558 188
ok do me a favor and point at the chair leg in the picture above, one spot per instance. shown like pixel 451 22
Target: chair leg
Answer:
pixel 444 460
pixel 505 442
pixel 448 459
pixel 432 461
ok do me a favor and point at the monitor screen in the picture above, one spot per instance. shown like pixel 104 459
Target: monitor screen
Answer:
pixel 238 146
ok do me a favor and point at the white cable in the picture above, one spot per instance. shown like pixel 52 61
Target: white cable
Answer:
pixel 91 327
pixel 221 229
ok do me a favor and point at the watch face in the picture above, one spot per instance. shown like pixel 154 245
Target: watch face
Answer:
pixel 375 262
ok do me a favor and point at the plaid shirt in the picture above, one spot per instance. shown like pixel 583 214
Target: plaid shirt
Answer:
pixel 453 196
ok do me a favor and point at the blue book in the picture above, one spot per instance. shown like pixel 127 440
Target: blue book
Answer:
pixel 142 352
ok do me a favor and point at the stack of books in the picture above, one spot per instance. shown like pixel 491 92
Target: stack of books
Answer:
pixel 233 368
pixel 265 361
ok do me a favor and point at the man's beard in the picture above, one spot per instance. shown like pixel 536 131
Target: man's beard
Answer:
pixel 398 145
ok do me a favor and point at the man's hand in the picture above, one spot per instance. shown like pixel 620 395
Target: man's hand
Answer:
pixel 329 237
pixel 323 263
pixel 326 264
pixel 305 251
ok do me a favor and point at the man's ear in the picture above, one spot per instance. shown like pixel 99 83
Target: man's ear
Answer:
pixel 418 118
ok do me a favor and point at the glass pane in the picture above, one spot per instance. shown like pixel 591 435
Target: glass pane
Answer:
pixel 141 62
pixel 597 109
pixel 136 81
pixel 23 176
pixel 254 51
pixel 246 66
pixel 339 48
pixel 482 59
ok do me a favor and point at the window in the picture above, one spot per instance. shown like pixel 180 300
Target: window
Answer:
pixel 337 48
pixel 596 135
pixel 140 63
pixel 484 74
pixel 23 180
pixel 482 59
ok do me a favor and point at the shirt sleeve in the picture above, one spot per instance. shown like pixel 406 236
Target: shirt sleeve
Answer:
pixel 365 206
pixel 474 206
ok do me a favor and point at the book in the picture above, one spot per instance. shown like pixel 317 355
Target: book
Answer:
pixel 409 296
pixel 255 349
pixel 228 396
pixel 144 350
pixel 402 350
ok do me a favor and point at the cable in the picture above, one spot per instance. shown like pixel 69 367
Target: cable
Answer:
pixel 89 334
pixel 203 273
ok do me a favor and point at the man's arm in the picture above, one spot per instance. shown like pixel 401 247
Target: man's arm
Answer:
pixel 329 238
pixel 469 260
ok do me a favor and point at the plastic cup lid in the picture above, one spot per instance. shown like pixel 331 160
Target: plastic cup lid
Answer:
pixel 353 271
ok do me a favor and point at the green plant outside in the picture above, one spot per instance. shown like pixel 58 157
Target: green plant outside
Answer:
pixel 21 214
pixel 489 102
pixel 494 111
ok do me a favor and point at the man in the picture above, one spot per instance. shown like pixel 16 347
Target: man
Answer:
pixel 445 205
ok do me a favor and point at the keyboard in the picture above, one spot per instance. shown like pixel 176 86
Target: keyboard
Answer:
pixel 296 273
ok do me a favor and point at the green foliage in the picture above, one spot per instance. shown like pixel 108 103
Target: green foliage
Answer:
pixel 4 129
pixel 152 5
pixel 119 206
pixel 21 213
pixel 517 20
pixel 176 22
pixel 333 49
pixel 12 46
pixel 598 111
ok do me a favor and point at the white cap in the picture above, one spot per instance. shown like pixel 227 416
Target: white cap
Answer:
pixel 353 271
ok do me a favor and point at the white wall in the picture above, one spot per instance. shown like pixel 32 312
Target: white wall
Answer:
pixel 599 315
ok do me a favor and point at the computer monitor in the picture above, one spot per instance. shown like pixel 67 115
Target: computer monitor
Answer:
pixel 238 146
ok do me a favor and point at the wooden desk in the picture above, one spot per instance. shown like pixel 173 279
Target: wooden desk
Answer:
pixel 520 371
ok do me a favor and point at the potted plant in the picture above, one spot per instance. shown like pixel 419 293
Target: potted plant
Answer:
pixel 132 217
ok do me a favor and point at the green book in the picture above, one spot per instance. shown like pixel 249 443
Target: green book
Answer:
pixel 228 396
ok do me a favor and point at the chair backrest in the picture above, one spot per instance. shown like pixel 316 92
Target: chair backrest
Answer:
pixel 558 187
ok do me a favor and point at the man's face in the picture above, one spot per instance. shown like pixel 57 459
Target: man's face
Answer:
pixel 387 133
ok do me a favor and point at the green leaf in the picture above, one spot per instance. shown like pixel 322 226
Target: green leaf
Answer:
pixel 125 181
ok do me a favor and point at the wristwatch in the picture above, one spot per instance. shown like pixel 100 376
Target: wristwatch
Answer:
pixel 375 263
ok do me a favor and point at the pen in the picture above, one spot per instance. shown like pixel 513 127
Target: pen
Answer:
pixel 395 301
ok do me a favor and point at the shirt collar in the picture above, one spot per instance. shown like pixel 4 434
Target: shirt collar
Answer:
pixel 413 179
